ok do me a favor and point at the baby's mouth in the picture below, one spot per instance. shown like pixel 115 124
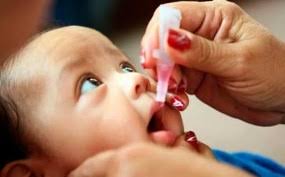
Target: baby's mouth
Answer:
pixel 160 131
pixel 155 124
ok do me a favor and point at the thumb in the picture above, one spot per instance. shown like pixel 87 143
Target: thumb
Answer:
pixel 193 51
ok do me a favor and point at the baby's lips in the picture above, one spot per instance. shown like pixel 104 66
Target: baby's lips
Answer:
pixel 163 137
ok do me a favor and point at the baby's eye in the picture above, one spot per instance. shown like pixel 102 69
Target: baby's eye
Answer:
pixel 127 67
pixel 89 84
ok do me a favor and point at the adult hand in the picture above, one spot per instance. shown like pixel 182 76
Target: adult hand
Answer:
pixel 230 61
pixel 18 21
pixel 145 160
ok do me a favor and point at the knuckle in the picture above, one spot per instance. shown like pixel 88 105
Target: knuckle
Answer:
pixel 205 52
pixel 228 7
pixel 243 61
pixel 231 6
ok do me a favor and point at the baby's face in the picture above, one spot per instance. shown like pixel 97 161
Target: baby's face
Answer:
pixel 94 100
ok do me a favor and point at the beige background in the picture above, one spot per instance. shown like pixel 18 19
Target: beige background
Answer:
pixel 212 127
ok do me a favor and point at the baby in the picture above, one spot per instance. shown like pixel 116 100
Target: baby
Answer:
pixel 69 94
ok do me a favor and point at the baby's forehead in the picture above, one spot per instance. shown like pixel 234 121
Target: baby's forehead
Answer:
pixel 74 39
pixel 65 44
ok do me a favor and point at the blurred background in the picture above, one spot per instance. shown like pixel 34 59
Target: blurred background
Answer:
pixel 124 22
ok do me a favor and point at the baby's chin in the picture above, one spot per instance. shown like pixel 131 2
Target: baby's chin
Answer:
pixel 163 137
pixel 169 139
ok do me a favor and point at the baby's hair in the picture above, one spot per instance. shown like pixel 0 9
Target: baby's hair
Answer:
pixel 11 144
pixel 12 134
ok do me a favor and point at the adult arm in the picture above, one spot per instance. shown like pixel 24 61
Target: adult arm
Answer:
pixel 145 160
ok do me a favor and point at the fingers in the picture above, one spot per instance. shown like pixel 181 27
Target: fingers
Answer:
pixel 151 160
pixel 211 93
pixel 148 44
pixel 176 82
pixel 193 51
pixel 190 80
pixel 96 166
pixel 177 97
pixel 178 101
pixel 194 79
pixel 192 13
pixel 212 20
pixel 126 161
pixel 215 20
pixel 189 141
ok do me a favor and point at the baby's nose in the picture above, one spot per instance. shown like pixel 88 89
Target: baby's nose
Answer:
pixel 138 84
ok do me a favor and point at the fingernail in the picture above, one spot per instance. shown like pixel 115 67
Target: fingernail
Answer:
pixel 191 138
pixel 172 86
pixel 177 103
pixel 178 41
pixel 142 58
pixel 182 87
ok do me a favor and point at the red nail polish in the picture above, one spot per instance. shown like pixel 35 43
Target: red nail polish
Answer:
pixel 191 138
pixel 178 41
pixel 182 87
pixel 177 103
pixel 142 57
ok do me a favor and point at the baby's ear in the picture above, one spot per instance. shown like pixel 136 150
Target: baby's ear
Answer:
pixel 20 168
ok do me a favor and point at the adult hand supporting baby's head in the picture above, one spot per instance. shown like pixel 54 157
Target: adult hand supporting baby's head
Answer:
pixel 145 160
pixel 230 61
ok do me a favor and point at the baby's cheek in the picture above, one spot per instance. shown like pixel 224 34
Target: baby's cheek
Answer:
pixel 92 98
